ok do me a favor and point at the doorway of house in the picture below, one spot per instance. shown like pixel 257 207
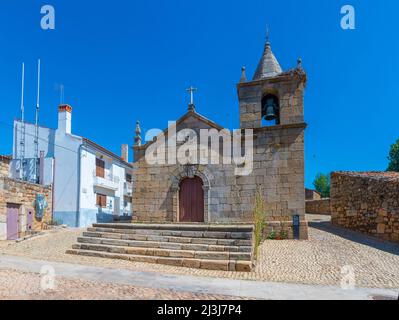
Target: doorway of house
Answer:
pixel 12 221
pixel 191 200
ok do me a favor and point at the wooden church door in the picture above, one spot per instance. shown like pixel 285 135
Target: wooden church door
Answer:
pixel 191 200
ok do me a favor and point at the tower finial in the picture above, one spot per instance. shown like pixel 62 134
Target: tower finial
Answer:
pixel 243 75
pixel 299 62
pixel 268 65
pixel 137 138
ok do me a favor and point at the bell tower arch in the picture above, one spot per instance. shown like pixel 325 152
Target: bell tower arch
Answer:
pixel 273 97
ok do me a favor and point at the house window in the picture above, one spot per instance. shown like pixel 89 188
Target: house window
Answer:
pixel 128 177
pixel 100 168
pixel 101 200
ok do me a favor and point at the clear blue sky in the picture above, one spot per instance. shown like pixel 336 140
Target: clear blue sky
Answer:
pixel 127 60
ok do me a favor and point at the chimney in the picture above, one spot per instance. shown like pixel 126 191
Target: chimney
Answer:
pixel 65 118
pixel 125 152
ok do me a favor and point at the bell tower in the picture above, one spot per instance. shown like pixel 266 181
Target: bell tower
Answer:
pixel 271 104
pixel 273 97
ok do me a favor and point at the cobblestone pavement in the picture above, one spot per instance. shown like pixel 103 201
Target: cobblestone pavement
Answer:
pixel 17 285
pixel 317 261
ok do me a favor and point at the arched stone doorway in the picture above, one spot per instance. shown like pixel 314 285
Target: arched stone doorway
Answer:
pixel 191 200
pixel 181 173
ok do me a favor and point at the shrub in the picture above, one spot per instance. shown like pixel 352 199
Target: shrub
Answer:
pixel 259 216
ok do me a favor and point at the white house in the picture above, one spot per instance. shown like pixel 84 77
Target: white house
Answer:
pixel 91 184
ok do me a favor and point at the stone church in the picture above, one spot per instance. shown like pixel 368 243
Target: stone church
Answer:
pixel 271 105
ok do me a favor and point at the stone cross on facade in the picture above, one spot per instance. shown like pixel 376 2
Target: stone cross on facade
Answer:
pixel 191 90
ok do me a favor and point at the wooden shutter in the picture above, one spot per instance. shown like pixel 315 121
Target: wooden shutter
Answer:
pixel 100 168
pixel 101 200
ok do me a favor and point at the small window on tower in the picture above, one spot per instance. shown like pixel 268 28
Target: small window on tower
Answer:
pixel 270 110
pixel 128 177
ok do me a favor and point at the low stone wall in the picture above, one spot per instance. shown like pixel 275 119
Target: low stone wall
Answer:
pixel 366 202
pixel 24 195
pixel 285 228
pixel 318 206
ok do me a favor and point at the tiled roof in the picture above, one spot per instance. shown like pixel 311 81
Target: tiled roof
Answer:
pixel 5 157
pixel 106 151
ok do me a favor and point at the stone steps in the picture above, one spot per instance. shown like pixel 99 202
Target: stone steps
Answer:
pixel 236 235
pixel 176 227
pixel 165 251
pixel 174 239
pixel 223 265
pixel 163 243
pixel 217 247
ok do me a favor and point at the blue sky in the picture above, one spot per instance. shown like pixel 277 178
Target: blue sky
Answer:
pixel 129 60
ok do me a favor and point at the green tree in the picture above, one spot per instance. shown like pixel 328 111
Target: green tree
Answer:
pixel 394 157
pixel 322 184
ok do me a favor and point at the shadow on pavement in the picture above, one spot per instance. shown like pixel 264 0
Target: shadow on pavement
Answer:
pixel 356 237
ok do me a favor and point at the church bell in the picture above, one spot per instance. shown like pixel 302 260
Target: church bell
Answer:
pixel 271 109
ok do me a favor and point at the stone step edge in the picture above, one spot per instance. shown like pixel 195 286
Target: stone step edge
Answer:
pixel 126 242
pixel 204 235
pixel 99 234
pixel 221 265
pixel 239 256
pixel 177 227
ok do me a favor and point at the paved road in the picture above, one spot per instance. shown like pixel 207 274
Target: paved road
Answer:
pixel 212 287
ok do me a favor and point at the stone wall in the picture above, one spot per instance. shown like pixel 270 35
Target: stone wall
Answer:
pixel 318 206
pixel 366 202
pixel 24 195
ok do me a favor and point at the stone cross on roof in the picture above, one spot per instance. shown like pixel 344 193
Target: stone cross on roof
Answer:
pixel 191 90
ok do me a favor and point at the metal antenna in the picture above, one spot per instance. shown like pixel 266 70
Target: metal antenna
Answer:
pixel 22 93
pixel 37 122
pixel 62 92
pixel 23 128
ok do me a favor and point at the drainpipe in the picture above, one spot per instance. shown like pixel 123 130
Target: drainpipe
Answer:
pixel 53 192
pixel 79 183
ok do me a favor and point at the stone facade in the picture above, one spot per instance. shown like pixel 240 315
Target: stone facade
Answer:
pixel 318 206
pixel 366 202
pixel 278 163
pixel 22 194
pixel 4 166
